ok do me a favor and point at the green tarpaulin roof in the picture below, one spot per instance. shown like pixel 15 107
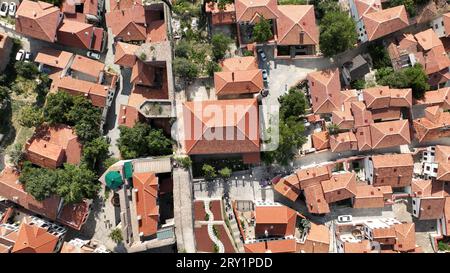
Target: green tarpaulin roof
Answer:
pixel 128 169
pixel 113 180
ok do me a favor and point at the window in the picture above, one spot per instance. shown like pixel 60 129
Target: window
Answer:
pixel 413 202
pixel 414 211
pixel 435 170
pixel 428 168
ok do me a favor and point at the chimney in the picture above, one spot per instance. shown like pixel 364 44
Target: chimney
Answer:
pixel 232 76
pixel 372 193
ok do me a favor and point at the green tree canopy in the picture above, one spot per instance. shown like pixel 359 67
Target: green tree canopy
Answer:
pixel 4 94
pixel 293 103
pixel 323 7
pixel 95 152
pixel 30 116
pixel 379 55
pixel 16 155
pixel 337 33
pixel 76 183
pixel 27 70
pixel 142 140
pixel 209 172
pixel 185 69
pixel 225 173
pixel 220 45
pixel 262 31
pixel 411 77
pixel 39 182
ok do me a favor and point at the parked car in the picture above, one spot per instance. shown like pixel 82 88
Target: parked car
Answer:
pixel 27 57
pixel 20 55
pixel 93 55
pixel 264 75
pixel 12 9
pixel 262 54
pixel 4 9
pixel 344 218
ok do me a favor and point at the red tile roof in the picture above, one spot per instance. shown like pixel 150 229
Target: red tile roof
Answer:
pixel 384 22
pixel 288 187
pixel 394 170
pixel 390 133
pixel 87 66
pixel 34 239
pixel 446 20
pixel 39 20
pixel 343 142
pixel 147 209
pixel 312 176
pixel 315 200
pixel 13 190
pixel 271 246
pixel 344 118
pixel 439 97
pixel 363 138
pixel 238 82
pixel 368 196
pixel 324 87
pixel 320 140
pixel 79 35
pixel 200 125
pixel 221 17
pixel 362 116
pixel 125 54
pixel 428 39
pixel 54 58
pixel 277 220
pixel 427 129
pixel 341 186
pixel 128 24
pixel 295 20
pixel 248 10
pixel 406 237
pixel 128 116
pixel 74 215
pixel 381 97
pixel 96 93
pixel 143 74
pixel 123 4
pixel 50 147
pixel 367 6
pixel 239 64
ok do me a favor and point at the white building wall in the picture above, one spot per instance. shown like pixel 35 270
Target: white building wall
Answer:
pixel 415 207
pixel 368 169
pixel 438 27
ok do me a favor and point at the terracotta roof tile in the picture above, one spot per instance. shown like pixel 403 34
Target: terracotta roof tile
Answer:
pixel 341 186
pixel 357 247
pixel 128 116
pixel 312 176
pixel 277 220
pixel 362 116
pixel 406 237
pixel 221 17
pixel 428 39
pixel 446 20
pixel 197 123
pixel 239 64
pixel 384 22
pixel 367 6
pixel 39 20
pixel 78 34
pixel 320 140
pixel 146 187
pixel 128 24
pixel 324 87
pixel 96 93
pixel 247 10
pixel 238 82
pixel 343 142
pixel 54 58
pixel 315 199
pixel 34 239
pixel 271 246
pixel 390 133
pixel 294 20
pixel 427 129
pixel 368 196
pixel 87 66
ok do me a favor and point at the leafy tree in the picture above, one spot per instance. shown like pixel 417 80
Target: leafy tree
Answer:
pixel 262 31
pixel 39 182
pixel 109 162
pixel 358 84
pixel 323 7
pixel 225 173
pixel 132 142
pixel 209 172
pixel 116 235
pixel 411 77
pixel 4 94
pixel 337 33
pixel 27 70
pixel 184 162
pixel 30 116
pixel 212 67
pixel 16 155
pixel 142 140
pixel 292 2
pixel 183 49
pixel 293 103
pixel 379 55
pixel 185 69
pixel 333 129
pixel 56 108
pixel 158 143
pixel 220 45
pixel 85 117
pixel 76 182
pixel 95 152
pixel 291 138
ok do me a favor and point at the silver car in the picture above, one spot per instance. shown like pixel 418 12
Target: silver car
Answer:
pixel 93 55
pixel 12 9
pixel 262 54
pixel 265 75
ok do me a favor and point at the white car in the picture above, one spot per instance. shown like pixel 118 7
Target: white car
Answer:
pixel 344 218
pixel 262 54
pixel 264 75
pixel 93 55
pixel 12 9
pixel 4 9
pixel 27 57
pixel 20 55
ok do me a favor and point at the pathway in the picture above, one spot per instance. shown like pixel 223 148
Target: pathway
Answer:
pixel 211 234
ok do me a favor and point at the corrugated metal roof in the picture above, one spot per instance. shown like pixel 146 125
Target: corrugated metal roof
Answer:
pixel 157 165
